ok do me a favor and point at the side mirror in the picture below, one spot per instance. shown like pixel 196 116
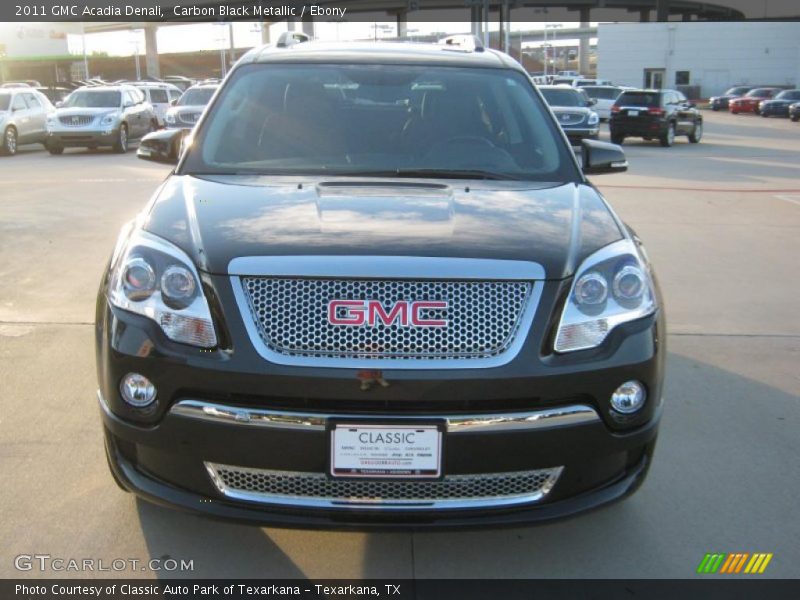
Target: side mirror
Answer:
pixel 592 102
pixel 60 104
pixel 601 157
pixel 173 102
pixel 691 104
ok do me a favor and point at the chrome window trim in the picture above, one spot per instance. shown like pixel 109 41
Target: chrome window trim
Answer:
pixel 367 504
pixel 548 418
pixel 387 267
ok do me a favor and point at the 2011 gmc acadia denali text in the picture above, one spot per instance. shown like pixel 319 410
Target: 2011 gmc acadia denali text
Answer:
pixel 378 291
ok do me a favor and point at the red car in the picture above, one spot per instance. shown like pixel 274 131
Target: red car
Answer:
pixel 750 101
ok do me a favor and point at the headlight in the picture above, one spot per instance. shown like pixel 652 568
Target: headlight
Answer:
pixel 611 287
pixel 594 119
pixel 109 119
pixel 154 278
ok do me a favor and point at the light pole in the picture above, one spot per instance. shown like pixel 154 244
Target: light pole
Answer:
pixel 221 39
pixel 552 26
pixel 135 42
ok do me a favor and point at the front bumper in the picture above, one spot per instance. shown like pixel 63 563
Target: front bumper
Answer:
pixel 743 107
pixel 579 133
pixel 204 499
pixel 770 110
pixel 164 455
pixel 83 137
pixel 638 127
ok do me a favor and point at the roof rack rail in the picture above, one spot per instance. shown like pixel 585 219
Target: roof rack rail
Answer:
pixel 289 38
pixel 465 43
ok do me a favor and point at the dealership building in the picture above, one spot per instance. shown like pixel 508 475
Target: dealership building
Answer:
pixel 704 58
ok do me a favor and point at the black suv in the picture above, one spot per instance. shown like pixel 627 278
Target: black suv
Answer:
pixel 655 114
pixel 378 290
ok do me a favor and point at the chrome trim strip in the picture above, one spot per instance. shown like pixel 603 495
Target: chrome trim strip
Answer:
pixel 520 336
pixel 386 267
pixel 367 504
pixel 562 416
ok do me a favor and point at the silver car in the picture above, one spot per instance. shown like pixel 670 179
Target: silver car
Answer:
pixel 23 115
pixel 187 110
pixel 100 116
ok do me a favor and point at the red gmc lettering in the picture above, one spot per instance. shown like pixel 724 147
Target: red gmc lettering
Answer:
pixel 371 312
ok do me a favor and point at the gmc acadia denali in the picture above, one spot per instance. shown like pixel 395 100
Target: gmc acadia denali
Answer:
pixel 378 291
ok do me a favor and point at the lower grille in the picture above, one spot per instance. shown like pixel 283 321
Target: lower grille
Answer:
pixel 295 488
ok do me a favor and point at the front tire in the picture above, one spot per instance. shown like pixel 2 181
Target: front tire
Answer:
pixel 121 145
pixel 669 136
pixel 9 141
pixel 697 133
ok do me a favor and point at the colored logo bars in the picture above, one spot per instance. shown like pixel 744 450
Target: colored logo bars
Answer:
pixel 734 563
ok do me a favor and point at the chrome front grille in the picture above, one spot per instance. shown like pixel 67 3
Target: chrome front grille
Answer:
pixel 291 317
pixel 298 488
pixel 188 118
pixel 570 118
pixel 76 120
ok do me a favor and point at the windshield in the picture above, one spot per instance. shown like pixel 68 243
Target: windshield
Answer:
pixel 639 99
pixel 196 97
pixel 789 95
pixel 601 93
pixel 759 93
pixel 5 100
pixel 93 99
pixel 737 91
pixel 374 120
pixel 563 97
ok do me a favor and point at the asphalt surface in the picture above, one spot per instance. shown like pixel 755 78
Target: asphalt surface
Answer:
pixel 721 221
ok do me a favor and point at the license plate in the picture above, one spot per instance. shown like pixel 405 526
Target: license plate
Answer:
pixel 400 451
pixel 633 113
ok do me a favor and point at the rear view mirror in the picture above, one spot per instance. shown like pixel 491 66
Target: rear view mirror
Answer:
pixel 601 157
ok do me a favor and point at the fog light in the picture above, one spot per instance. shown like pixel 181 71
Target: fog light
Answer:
pixel 628 398
pixel 137 390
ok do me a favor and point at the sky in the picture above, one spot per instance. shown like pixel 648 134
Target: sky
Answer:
pixel 213 36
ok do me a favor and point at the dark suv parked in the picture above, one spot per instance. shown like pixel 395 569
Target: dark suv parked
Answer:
pixel 378 290
pixel 721 102
pixel 655 114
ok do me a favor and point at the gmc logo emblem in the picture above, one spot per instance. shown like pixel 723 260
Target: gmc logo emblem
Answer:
pixel 370 312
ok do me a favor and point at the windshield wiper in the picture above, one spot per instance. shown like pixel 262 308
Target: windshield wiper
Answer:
pixel 432 174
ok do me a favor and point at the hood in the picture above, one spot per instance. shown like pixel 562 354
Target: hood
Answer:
pixel 69 111
pixel 571 109
pixel 219 218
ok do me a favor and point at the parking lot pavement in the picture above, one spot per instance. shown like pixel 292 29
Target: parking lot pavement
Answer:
pixel 722 224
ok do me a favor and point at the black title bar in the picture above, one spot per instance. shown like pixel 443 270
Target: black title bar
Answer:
pixel 414 10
